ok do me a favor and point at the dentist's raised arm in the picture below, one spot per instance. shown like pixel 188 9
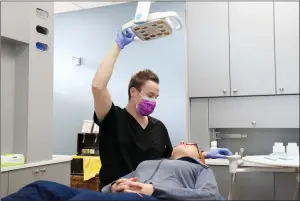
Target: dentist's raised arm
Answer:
pixel 102 97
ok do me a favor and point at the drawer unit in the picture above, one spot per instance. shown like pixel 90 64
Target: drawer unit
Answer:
pixel 254 112
pixel 59 173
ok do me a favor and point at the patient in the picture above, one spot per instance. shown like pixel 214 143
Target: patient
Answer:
pixel 182 177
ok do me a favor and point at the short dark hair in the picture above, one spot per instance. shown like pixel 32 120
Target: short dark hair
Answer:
pixel 140 78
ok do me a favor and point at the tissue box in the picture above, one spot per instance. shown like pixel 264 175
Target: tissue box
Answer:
pixel 12 160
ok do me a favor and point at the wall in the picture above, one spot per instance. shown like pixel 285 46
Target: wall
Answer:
pixel 265 136
pixel 89 34
pixel 7 96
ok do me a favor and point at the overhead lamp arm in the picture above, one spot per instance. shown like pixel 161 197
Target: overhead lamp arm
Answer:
pixel 142 12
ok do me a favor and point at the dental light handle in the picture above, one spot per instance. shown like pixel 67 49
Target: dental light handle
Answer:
pixel 156 16
pixel 129 25
pixel 167 14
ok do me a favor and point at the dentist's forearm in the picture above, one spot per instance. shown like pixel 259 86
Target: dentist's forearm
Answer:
pixel 105 70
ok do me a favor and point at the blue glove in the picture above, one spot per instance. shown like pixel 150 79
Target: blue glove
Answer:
pixel 124 39
pixel 219 153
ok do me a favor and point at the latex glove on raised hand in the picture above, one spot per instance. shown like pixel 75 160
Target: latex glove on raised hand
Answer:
pixel 124 39
pixel 218 153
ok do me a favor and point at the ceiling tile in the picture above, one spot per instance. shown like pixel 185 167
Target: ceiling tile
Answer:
pixel 60 7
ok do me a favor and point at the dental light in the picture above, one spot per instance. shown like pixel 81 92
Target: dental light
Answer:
pixel 152 26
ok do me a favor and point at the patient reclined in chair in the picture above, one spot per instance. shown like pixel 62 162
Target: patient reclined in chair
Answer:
pixel 182 177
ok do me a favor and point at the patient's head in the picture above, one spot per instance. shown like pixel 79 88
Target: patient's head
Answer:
pixel 185 149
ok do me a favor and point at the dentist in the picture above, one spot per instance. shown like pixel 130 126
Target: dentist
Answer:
pixel 128 135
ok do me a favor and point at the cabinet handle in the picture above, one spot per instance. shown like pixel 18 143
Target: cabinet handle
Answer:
pixel 253 123
pixel 281 89
pixel 36 171
pixel 224 91
pixel 235 90
pixel 43 170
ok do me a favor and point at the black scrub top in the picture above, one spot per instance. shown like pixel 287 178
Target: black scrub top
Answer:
pixel 123 143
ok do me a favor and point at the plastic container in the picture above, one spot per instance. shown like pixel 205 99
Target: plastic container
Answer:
pixel 292 149
pixel 278 148
pixel 213 145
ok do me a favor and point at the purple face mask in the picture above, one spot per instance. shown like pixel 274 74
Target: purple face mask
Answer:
pixel 146 106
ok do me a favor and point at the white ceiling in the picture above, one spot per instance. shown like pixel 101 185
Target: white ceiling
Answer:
pixel 60 7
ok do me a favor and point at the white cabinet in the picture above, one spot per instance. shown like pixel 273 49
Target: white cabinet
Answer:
pixel 208 49
pixel 54 172
pixel 252 64
pixel 287 47
pixel 4 184
pixel 254 112
pixel 15 20
pixel 22 177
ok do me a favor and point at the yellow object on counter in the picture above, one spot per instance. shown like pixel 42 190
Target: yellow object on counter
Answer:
pixel 91 166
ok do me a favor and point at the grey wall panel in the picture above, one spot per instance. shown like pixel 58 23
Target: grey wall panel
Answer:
pixel 7 96
pixel 40 94
pixel 21 99
pixel 199 131
pixel 258 141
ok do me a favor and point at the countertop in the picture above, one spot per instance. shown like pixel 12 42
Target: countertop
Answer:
pixel 225 162
pixel 55 159
pixel 66 158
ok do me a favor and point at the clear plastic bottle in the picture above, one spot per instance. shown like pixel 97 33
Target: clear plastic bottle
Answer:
pixel 278 149
pixel 292 149
pixel 213 145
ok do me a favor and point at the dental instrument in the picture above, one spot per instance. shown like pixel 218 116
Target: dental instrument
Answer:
pixel 152 26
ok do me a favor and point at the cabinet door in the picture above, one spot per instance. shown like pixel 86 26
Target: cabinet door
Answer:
pixel 254 186
pixel 252 64
pixel 66 173
pixel 22 177
pixel 208 49
pixel 51 172
pixel 248 186
pixel 254 112
pixel 59 173
pixel 15 20
pixel 4 184
pixel 285 185
pixel 223 179
pixel 287 47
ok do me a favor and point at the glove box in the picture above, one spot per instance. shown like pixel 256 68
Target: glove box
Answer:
pixel 88 144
